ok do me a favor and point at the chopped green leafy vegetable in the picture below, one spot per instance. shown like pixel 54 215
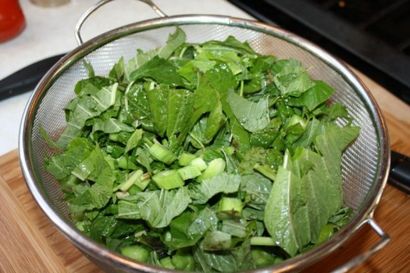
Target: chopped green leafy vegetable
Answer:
pixel 204 157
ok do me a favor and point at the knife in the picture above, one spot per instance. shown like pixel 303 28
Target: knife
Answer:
pixel 26 79
pixel 400 171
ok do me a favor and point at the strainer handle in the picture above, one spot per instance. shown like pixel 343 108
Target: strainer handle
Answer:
pixel 384 239
pixel 101 3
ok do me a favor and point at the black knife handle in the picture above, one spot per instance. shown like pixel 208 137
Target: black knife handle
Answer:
pixel 400 171
pixel 26 78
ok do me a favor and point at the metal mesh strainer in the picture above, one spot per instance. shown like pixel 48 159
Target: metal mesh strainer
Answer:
pixel 365 163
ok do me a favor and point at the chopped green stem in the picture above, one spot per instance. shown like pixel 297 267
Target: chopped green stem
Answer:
pixel 215 167
pixel 185 159
pixel 189 172
pixel 169 179
pixel 197 141
pixel 262 241
pixel 135 176
pixel 161 153
pixel 241 89
pixel 265 170
pixel 227 204
pixel 199 163
pixel 136 252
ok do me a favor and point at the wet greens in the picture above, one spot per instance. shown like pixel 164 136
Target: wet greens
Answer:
pixel 204 157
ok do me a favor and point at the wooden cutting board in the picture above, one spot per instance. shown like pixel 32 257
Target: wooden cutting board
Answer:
pixel 30 243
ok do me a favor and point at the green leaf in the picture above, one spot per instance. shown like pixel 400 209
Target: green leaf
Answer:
pixel 118 70
pixel 316 95
pixel 226 183
pixel 110 126
pixel 216 240
pixel 91 85
pixel 178 236
pixel 234 227
pixel 128 210
pixel 88 107
pixel 205 220
pixel 136 105
pixel 97 195
pixel 257 190
pixel 174 41
pixel 180 106
pixel 291 78
pixel 282 204
pixel 134 140
pixel 158 99
pixel 253 116
pixel 158 69
pixel 60 166
pixel 158 208
pixel 221 262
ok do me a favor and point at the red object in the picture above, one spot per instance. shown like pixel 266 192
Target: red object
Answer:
pixel 11 19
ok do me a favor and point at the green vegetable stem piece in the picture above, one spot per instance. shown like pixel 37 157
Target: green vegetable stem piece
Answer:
pixel 189 172
pixel 215 167
pixel 262 241
pixel 169 179
pixel 135 176
pixel 185 159
pixel 230 205
pixel 136 252
pixel 199 163
pixel 266 171
pixel 183 261
pixel 167 263
pixel 160 153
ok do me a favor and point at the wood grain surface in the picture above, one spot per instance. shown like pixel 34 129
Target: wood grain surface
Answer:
pixel 30 243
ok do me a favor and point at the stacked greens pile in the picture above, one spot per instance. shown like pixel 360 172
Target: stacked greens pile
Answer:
pixel 206 157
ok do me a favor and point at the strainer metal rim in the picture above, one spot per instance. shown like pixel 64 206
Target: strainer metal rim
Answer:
pixel 100 251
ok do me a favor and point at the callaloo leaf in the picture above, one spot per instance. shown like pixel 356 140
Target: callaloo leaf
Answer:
pixel 257 190
pixel 290 77
pixel 216 240
pixel 134 140
pixel 140 59
pixel 128 210
pixel 293 84
pixel 221 262
pixel 180 106
pixel 87 107
pixel 158 208
pixel 316 95
pixel 226 183
pixel 205 220
pixel 118 70
pixel 157 99
pixel 91 85
pixel 60 166
pixel 97 195
pixel 282 204
pixel 158 69
pixel 175 40
pixel 110 126
pixel 178 236
pixel 137 106
pixel 252 116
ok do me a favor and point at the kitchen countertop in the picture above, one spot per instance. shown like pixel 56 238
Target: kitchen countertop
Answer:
pixel 50 31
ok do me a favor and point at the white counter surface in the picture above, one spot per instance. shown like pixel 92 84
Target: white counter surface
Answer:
pixel 50 31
